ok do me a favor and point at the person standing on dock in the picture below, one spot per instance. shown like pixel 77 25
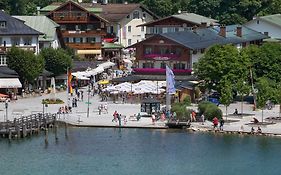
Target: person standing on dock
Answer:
pixel 115 116
pixel 221 124
pixel 215 123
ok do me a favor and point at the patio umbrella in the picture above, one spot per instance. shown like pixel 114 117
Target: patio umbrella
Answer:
pixel 3 95
pixel 103 82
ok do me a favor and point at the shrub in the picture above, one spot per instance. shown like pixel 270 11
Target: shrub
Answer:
pixel 187 100
pixel 181 111
pixel 52 101
pixel 210 110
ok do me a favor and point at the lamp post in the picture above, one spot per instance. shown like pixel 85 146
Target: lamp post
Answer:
pixel 6 107
pixel 88 103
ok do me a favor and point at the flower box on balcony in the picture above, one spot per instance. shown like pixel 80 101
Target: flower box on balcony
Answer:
pixel 160 71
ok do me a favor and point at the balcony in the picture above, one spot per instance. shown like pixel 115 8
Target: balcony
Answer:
pixel 7 48
pixel 84 45
pixel 70 16
pixel 79 33
pixel 161 57
pixel 160 71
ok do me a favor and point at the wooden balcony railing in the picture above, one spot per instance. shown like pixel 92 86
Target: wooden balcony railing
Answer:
pixel 84 45
pixel 7 48
pixel 70 16
pixel 79 33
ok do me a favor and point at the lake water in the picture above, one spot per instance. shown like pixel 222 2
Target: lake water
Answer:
pixel 112 151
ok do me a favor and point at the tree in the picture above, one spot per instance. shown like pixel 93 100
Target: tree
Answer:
pixel 264 93
pixel 56 61
pixel 220 61
pixel 25 63
pixel 226 93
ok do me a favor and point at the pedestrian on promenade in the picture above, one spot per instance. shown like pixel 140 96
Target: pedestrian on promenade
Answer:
pixel 221 124
pixel 259 130
pixel 252 130
pixel 215 123
pixel 163 118
pixel 193 113
pixel 119 119
pixel 203 119
pixel 75 101
pixel 82 95
pixel 99 108
pixel 125 120
pixel 115 116
pixel 105 108
pixel 138 117
pixel 153 118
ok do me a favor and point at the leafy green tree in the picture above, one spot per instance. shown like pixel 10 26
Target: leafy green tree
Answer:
pixel 226 93
pixel 220 61
pixel 56 60
pixel 25 63
pixel 264 93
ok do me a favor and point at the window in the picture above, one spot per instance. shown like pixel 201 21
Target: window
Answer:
pixel 163 65
pixel 27 41
pixel 136 15
pixel 3 60
pixel 0 41
pixel 129 28
pixel 148 50
pixel 144 15
pixel 164 50
pixel 142 28
pixel 179 66
pixel 129 42
pixel 2 24
pixel 63 27
pixel 90 27
pixel 77 27
pixel 128 16
pixel 15 41
pixel 148 65
pixel 66 40
pixel 91 40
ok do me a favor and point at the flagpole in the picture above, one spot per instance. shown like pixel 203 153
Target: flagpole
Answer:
pixel 168 100
pixel 67 87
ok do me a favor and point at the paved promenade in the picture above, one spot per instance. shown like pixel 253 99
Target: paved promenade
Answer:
pixel 78 117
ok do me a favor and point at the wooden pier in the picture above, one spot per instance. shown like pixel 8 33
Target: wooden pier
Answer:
pixel 28 125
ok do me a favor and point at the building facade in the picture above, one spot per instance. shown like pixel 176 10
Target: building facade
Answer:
pixel 123 19
pixel 80 29
pixel 177 23
pixel 46 26
pixel 14 32
pixel 180 50
pixel 269 25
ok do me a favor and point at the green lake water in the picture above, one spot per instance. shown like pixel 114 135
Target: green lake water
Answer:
pixel 111 151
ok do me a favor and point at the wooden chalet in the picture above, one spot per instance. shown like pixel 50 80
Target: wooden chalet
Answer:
pixel 80 29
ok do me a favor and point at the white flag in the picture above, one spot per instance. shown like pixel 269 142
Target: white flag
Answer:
pixel 170 81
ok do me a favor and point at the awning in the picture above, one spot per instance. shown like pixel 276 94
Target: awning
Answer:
pixel 107 64
pixel 10 83
pixel 83 52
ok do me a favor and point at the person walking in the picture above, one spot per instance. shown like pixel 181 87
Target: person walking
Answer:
pixel 115 116
pixel 221 124
pixel 203 119
pixel 153 119
pixel 215 123
pixel 119 119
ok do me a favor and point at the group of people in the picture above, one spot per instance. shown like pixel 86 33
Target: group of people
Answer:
pixel 257 132
pixel 103 107
pixel 117 117
pixel 64 110
pixel 216 122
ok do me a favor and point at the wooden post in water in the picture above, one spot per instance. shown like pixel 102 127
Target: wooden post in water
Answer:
pixel 24 130
pixel 65 129
pixel 46 135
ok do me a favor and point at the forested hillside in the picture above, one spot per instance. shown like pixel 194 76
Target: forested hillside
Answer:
pixel 226 11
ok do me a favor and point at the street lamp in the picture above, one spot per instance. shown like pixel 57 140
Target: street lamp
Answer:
pixel 6 107
pixel 44 105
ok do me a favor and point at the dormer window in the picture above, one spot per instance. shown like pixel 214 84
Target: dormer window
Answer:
pixel 3 24
pixel 136 15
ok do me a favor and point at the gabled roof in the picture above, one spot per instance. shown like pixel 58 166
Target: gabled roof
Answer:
pixel 15 26
pixel 273 19
pixel 188 17
pixel 78 6
pixel 111 12
pixel 43 24
pixel 205 37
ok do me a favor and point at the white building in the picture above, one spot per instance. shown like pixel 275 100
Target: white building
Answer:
pixel 46 26
pixel 269 25
pixel 13 32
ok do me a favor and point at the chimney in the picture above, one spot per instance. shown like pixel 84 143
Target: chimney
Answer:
pixel 204 24
pixel 265 33
pixel 222 31
pixel 239 31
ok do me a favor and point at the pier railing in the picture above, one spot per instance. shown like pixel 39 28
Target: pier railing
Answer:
pixel 27 125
